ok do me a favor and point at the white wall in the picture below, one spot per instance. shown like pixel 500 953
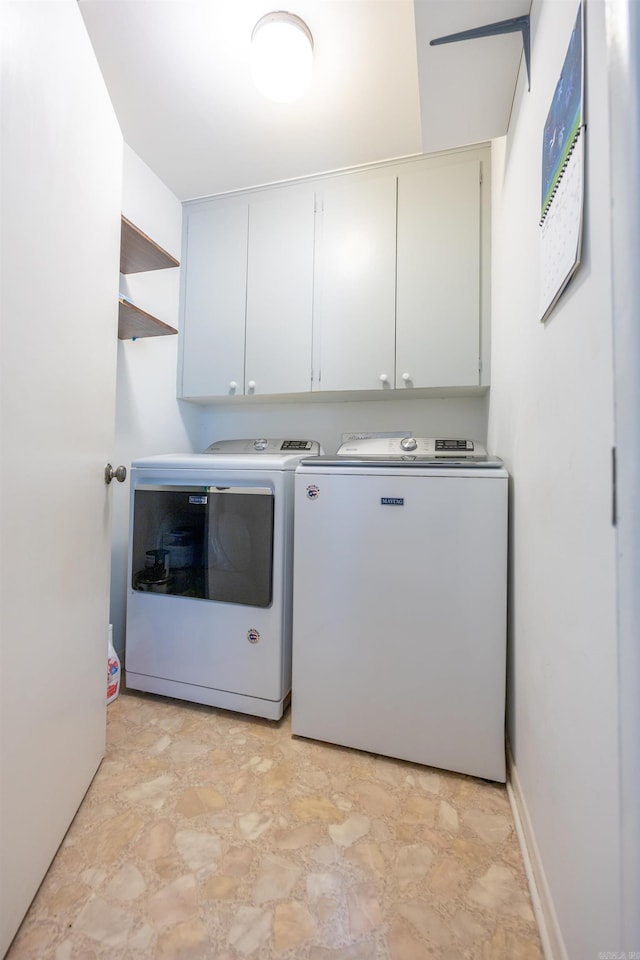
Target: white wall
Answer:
pixel 327 421
pixel 551 418
pixel 149 419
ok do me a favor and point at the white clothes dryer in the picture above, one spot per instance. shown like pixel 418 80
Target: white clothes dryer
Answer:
pixel 399 614
pixel 209 600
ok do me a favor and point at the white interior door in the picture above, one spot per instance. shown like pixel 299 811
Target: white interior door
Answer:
pixel 61 195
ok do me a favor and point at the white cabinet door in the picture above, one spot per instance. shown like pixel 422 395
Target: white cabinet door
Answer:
pixel 438 297
pixel 355 283
pixel 214 305
pixel 280 292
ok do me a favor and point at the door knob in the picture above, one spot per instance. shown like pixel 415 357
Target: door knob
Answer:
pixel 120 473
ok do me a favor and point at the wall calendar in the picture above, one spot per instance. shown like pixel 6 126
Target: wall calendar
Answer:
pixel 563 151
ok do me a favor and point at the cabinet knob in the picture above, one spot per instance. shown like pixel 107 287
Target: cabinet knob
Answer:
pixel 233 385
pixel 251 385
pixel 406 377
pixel 384 378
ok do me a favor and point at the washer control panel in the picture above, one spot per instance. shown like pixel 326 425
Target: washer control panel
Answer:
pixel 303 445
pixel 454 446
pixel 419 448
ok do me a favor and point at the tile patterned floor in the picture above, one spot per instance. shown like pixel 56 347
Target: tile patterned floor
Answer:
pixel 208 834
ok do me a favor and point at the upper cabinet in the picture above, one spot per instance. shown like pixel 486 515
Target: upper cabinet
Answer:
pixel 279 292
pixel 370 280
pixel 139 254
pixel 248 295
pixel 355 283
pixel 214 298
pixel 438 276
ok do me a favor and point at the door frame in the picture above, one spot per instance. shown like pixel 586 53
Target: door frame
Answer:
pixel 623 54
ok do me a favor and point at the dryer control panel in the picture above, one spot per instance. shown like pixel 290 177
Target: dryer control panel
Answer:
pixel 262 445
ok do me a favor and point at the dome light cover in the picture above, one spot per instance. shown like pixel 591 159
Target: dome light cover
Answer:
pixel 281 56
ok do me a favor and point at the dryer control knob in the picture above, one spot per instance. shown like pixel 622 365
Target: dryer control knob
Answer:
pixel 233 385
pixel 384 378
pixel 406 377
pixel 251 384
pixel 408 443
pixel 260 444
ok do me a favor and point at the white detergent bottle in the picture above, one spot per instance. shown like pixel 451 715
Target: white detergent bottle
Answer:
pixel 113 669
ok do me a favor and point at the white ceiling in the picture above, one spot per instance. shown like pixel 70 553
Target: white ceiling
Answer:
pixel 178 76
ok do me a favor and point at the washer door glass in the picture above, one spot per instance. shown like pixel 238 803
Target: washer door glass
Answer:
pixel 210 543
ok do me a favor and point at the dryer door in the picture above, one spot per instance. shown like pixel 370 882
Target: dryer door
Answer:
pixel 209 543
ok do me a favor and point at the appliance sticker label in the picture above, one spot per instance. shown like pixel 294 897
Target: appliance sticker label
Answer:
pixel 198 499
pixel 313 492
pixel 392 501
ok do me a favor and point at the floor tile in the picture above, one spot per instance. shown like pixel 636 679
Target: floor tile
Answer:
pixel 209 834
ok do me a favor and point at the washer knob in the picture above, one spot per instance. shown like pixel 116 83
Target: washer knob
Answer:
pixel 384 378
pixel 408 443
pixel 251 384
pixel 260 444
pixel 233 385
pixel 406 377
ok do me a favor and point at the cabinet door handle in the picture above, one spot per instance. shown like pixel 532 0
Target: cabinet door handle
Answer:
pixel 233 385
pixel 406 377
pixel 384 378
pixel 251 385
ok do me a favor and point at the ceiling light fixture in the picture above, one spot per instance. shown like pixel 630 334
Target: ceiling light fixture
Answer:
pixel 281 56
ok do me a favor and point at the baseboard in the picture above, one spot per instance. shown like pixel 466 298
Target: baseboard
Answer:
pixel 550 933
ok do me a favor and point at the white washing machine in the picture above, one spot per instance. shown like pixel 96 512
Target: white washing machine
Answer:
pixel 209 598
pixel 399 613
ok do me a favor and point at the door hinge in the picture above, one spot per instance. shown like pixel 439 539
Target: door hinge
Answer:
pixel 614 487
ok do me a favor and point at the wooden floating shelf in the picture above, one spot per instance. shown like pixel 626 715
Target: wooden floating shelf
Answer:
pixel 139 253
pixel 134 322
